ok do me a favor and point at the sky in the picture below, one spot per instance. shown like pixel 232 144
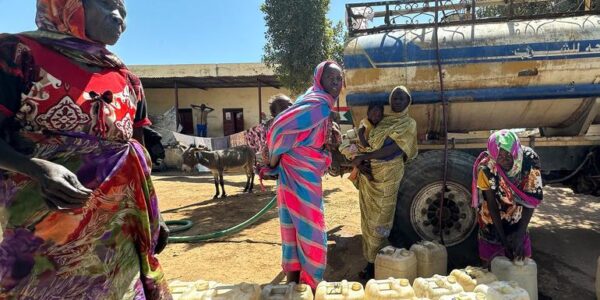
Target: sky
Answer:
pixel 178 31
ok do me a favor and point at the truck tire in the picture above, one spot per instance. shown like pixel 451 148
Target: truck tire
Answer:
pixel 417 209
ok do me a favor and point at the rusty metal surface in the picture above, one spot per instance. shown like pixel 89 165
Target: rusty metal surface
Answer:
pixel 518 58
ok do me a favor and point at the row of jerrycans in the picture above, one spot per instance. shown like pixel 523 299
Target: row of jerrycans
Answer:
pixel 210 290
pixel 435 288
pixel 423 265
pixel 426 259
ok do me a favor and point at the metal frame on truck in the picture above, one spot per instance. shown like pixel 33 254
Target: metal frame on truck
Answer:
pixel 434 201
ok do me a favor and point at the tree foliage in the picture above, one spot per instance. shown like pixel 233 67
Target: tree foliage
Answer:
pixel 299 36
pixel 531 8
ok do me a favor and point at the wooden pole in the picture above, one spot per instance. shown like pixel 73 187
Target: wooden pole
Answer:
pixel 259 101
pixel 177 120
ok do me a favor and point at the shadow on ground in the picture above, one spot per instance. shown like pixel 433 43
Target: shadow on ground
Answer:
pixel 212 215
pixel 344 256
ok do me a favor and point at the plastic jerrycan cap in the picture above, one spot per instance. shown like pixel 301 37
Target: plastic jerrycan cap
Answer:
pixel 440 283
pixel 300 288
pixel 201 285
pixel 387 251
pixel 404 282
pixel 404 252
pixel 477 273
pixel 429 244
pixel 451 279
pixel 356 286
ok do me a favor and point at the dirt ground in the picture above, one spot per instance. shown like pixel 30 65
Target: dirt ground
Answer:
pixel 565 232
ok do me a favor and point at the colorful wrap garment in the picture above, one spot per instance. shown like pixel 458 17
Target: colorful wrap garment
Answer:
pixel 378 197
pixel 299 135
pixel 104 250
pixel 520 187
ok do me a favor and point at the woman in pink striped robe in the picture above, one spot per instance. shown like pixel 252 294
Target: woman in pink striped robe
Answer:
pixel 298 156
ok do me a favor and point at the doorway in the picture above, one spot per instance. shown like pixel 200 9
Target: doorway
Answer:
pixel 186 120
pixel 233 120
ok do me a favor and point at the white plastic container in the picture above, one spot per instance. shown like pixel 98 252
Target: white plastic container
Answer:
pixel 465 296
pixel 432 259
pixel 470 277
pixel 524 272
pixel 339 291
pixel 436 287
pixel 177 288
pixel 290 291
pixel 210 290
pixel 502 290
pixel 397 289
pixel 396 263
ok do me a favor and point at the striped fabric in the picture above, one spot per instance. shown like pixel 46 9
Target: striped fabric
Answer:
pixel 298 136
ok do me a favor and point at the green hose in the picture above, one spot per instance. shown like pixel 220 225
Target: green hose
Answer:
pixel 186 224
pixel 182 225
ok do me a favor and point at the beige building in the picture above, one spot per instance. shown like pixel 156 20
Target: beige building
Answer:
pixel 238 93
pixel 235 92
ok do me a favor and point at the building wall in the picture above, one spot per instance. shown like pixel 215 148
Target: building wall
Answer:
pixel 160 100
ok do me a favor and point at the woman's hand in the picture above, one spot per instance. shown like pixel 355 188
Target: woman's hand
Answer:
pixel 365 169
pixel 60 187
pixel 362 138
pixel 270 177
pixel 358 160
pixel 274 161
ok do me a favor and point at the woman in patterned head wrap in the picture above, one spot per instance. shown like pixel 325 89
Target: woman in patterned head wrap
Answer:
pixel 509 178
pixel 78 214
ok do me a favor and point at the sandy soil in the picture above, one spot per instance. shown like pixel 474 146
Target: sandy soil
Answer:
pixel 565 230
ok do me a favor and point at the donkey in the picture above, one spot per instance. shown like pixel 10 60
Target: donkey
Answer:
pixel 219 161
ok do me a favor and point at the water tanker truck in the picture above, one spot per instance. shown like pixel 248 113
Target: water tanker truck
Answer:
pixel 473 67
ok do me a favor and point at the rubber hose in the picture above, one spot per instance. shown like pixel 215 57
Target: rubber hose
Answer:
pixel 182 225
pixel 186 224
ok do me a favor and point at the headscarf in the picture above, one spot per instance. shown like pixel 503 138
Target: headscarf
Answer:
pixel 405 91
pixel 508 141
pixel 317 89
pixel 61 26
pixel 61 16
pixel 399 127
pixel 308 111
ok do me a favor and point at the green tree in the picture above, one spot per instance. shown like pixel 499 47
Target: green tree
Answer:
pixel 531 8
pixel 299 36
